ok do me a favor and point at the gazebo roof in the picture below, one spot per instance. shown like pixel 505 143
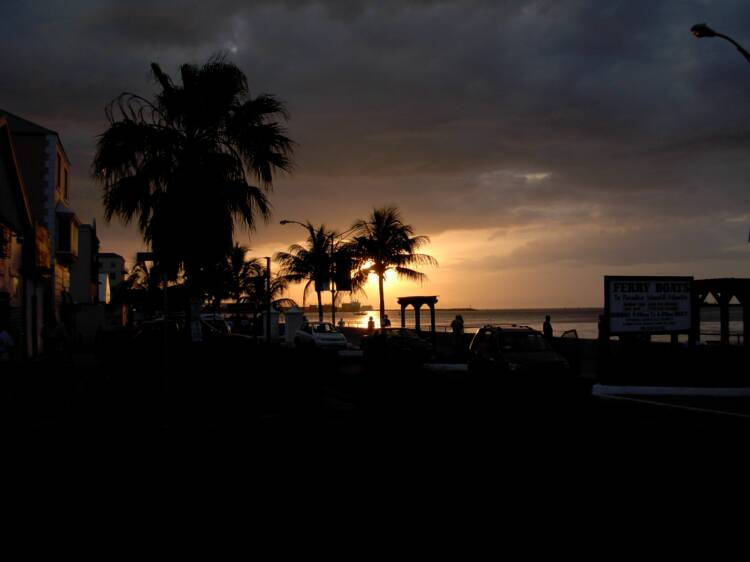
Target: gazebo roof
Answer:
pixel 418 300
pixel 723 287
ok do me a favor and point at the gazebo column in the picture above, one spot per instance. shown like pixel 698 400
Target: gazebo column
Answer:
pixel 432 325
pixel 417 323
pixel 403 315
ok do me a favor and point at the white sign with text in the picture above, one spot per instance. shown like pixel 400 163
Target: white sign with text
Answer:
pixel 648 304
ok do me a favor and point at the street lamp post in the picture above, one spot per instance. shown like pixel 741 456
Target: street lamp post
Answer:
pixel 268 296
pixel 701 30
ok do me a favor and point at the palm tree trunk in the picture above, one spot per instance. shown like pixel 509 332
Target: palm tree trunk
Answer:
pixel 382 298
pixel 320 307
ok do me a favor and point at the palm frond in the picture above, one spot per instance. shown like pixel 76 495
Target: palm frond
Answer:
pixel 410 274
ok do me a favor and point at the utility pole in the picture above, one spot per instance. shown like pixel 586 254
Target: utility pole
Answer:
pixel 331 274
pixel 268 294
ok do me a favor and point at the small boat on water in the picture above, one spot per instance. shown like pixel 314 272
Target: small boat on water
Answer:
pixel 356 308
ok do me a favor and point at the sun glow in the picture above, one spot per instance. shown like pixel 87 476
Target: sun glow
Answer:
pixel 390 281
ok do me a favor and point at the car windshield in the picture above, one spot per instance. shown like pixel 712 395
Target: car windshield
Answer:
pixel 324 329
pixel 521 341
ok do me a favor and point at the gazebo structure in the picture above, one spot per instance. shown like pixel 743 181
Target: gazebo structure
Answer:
pixel 417 303
pixel 726 290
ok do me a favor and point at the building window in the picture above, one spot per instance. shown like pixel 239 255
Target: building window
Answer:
pixel 62 177
pixel 4 242
pixel 63 234
pixel 15 287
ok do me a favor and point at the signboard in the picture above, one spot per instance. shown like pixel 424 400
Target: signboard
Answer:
pixel 648 305
pixel 342 276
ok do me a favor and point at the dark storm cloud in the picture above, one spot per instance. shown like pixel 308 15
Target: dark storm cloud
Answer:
pixel 466 114
pixel 668 243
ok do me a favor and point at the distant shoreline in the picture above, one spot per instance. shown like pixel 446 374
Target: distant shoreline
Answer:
pixel 598 309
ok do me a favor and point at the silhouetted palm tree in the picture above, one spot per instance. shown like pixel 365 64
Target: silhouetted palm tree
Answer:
pixel 385 243
pixel 242 273
pixel 258 295
pixel 181 165
pixel 310 264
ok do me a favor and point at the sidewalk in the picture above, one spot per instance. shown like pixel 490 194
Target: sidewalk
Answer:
pixel 710 400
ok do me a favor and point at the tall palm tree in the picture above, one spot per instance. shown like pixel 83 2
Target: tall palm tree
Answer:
pixel 310 264
pixel 183 164
pixel 384 242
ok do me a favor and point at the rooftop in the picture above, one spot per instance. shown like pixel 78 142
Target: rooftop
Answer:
pixel 110 255
pixel 19 125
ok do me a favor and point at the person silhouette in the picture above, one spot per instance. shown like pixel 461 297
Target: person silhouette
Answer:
pixel 370 325
pixel 547 327
pixel 457 327
pixel 386 323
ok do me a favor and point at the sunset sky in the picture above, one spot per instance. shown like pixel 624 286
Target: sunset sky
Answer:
pixel 540 144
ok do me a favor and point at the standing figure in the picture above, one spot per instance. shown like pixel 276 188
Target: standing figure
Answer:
pixel 457 327
pixel 370 325
pixel 386 323
pixel 547 327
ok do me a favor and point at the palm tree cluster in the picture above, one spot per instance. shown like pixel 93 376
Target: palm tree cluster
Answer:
pixel 184 167
pixel 246 281
pixel 380 243
pixel 309 264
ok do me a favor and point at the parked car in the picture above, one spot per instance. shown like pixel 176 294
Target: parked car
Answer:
pixel 217 322
pixel 518 352
pixel 320 335
pixel 400 345
pixel 153 330
pixel 150 336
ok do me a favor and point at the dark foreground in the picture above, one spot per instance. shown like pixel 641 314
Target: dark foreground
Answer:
pixel 256 391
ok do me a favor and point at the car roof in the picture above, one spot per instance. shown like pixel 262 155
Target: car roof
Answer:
pixel 510 328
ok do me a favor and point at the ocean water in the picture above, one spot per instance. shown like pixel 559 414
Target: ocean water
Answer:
pixel 583 320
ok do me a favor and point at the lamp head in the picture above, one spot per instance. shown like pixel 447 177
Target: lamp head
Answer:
pixel 702 30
